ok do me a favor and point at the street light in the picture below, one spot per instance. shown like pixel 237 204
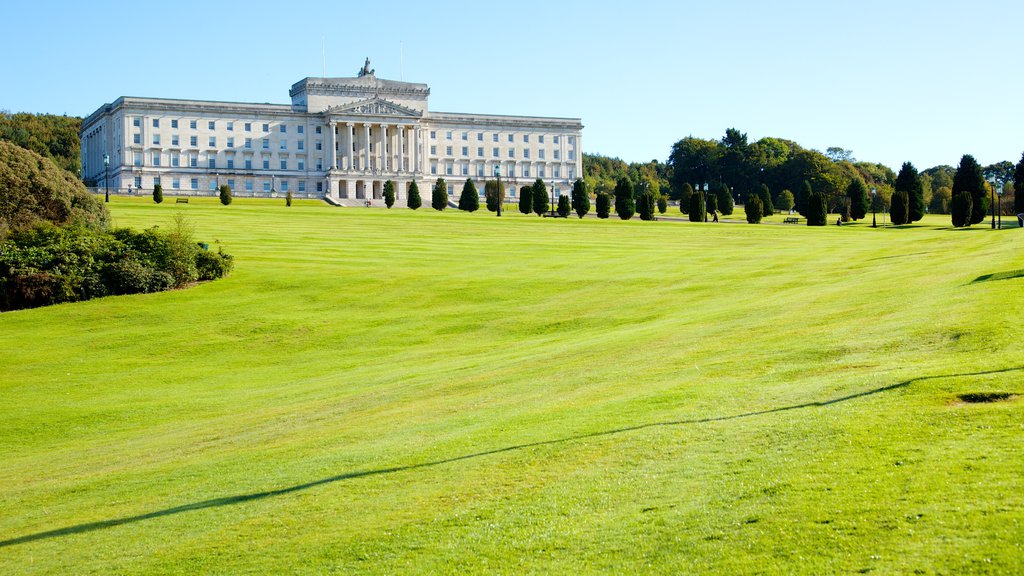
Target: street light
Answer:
pixel 501 197
pixel 993 203
pixel 552 198
pixel 874 192
pixel 106 176
pixel 1000 212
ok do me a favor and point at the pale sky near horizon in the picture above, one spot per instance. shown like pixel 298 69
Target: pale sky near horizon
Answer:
pixel 919 81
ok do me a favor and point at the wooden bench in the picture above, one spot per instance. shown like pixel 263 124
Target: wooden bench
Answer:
pixel 181 200
pixel 791 221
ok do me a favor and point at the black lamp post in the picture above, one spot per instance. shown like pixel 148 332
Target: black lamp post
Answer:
pixel 552 198
pixel 501 197
pixel 1000 212
pixel 106 176
pixel 993 203
pixel 874 192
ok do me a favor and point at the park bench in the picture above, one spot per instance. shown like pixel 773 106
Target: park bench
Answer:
pixel 181 200
pixel 791 220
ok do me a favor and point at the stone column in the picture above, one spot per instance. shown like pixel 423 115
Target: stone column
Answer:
pixel 331 142
pixel 415 150
pixel 350 144
pixel 366 147
pixel 382 152
pixel 401 148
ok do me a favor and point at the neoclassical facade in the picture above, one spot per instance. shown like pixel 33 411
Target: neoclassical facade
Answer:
pixel 340 139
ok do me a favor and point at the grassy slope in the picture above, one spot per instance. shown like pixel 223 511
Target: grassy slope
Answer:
pixel 422 392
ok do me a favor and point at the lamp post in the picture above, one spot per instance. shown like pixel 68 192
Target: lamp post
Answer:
pixel 993 203
pixel 501 197
pixel 552 198
pixel 1000 211
pixel 106 176
pixel 874 192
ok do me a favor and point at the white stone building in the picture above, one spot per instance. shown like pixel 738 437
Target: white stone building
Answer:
pixel 339 139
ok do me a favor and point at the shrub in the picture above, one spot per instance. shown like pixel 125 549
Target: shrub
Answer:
pixel 563 206
pixel 899 209
pixel 961 207
pixel 765 196
pixel 213 265
pixel 494 195
pixel 802 198
pixel 469 200
pixel 389 193
pixel 540 197
pixel 288 199
pixel 684 197
pixel 225 194
pixel 857 192
pixel 603 205
pixel 158 194
pixel 580 197
pixel 785 201
pixel 817 212
pixel 526 200
pixel 439 195
pixel 625 202
pixel 647 205
pixel 414 201
pixel 710 202
pixel 697 207
pixel 725 201
pixel 753 209
pixel 663 203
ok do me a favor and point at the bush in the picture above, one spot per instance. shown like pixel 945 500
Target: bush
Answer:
pixel 288 199
pixel 580 197
pixel 765 196
pixel 526 200
pixel 625 203
pixel 817 212
pixel 563 206
pixel 225 194
pixel 213 265
pixel 725 201
pixel 857 192
pixel 961 207
pixel 899 209
pixel 785 201
pixel 469 200
pixel 710 202
pixel 802 199
pixel 494 195
pixel 158 194
pixel 414 201
pixel 439 195
pixel 753 209
pixel 684 198
pixel 698 211
pixel 662 203
pixel 647 205
pixel 603 206
pixel 540 197
pixel 389 193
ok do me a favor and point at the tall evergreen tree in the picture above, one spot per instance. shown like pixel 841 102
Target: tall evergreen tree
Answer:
pixel 1018 187
pixel 469 200
pixel 909 181
pixel 899 207
pixel 647 205
pixel 697 207
pixel 158 193
pixel 725 201
pixel 857 192
pixel 580 198
pixel 961 209
pixel 494 194
pixel 603 206
pixel 389 194
pixel 968 178
pixel 684 197
pixel 753 208
pixel 414 201
pixel 564 206
pixel 710 203
pixel 803 196
pixel 439 195
pixel 817 211
pixel 225 194
pixel 540 197
pixel 662 203
pixel 765 195
pixel 625 202
pixel 526 199
pixel 288 197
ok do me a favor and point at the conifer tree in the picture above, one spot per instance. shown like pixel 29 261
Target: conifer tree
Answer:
pixel 684 197
pixel 389 194
pixel 469 201
pixel 288 199
pixel 1018 187
pixel 647 205
pixel 909 181
pixel 724 201
pixel 899 207
pixel 753 208
pixel 580 198
pixel 961 209
pixel 697 207
pixel 817 212
pixel 540 197
pixel 439 195
pixel 225 194
pixel 968 178
pixel 857 192
pixel 710 203
pixel 662 203
pixel 803 196
pixel 494 194
pixel 765 196
pixel 604 205
pixel 414 201
pixel 158 193
pixel 526 199
pixel 625 202
pixel 564 206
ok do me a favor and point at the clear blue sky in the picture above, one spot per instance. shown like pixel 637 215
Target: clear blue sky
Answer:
pixel 924 81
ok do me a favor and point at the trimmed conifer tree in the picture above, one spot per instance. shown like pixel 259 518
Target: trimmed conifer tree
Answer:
pixel 803 196
pixel 526 199
pixel 909 181
pixel 580 198
pixel 1018 187
pixel 540 197
pixel 158 193
pixel 817 212
pixel 469 200
pixel 710 203
pixel 625 202
pixel 684 197
pixel 564 206
pixel 647 205
pixel 225 194
pixel 288 199
pixel 697 207
pixel 725 201
pixel 389 193
pixel 604 205
pixel 899 207
pixel 494 194
pixel 753 208
pixel 968 178
pixel 765 196
pixel 414 201
pixel 439 195
pixel 857 192
pixel 662 203
pixel 961 209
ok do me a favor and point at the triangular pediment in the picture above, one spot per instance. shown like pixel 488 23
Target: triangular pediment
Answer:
pixel 373 107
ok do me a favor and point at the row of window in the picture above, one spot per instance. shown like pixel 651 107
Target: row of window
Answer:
pixel 496 152
pixel 212 142
pixel 156 159
pixel 510 171
pixel 282 184
pixel 229 125
pixel 494 137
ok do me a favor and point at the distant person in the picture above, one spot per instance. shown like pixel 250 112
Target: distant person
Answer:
pixel 839 221
pixel 1020 219
pixel 714 214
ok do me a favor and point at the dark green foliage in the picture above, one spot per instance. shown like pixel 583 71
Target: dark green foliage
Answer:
pixel 961 208
pixel 684 197
pixel 753 209
pixel 158 193
pixel 564 206
pixel 857 192
pixel 439 195
pixel 1018 187
pixel 289 197
pixel 33 188
pixel 710 201
pixel 909 181
pixel 213 265
pixel 817 212
pixel 785 201
pixel 389 194
pixel 662 203
pixel 968 178
pixel 526 200
pixel 604 205
pixel 647 205
pixel 698 209
pixel 469 200
pixel 50 136
pixel 802 199
pixel 494 194
pixel 225 194
pixel 625 202
pixel 765 196
pixel 540 197
pixel 725 201
pixel 899 207
pixel 414 201
pixel 580 198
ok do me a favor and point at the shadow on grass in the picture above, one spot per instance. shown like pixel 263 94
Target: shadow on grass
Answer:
pixel 242 498
pixel 1008 275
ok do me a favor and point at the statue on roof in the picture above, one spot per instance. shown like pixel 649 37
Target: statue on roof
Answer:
pixel 366 70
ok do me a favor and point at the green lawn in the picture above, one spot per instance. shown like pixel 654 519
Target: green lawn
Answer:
pixel 414 392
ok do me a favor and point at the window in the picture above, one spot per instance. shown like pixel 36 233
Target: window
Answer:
pixel 451 189
pixel 557 154
pixel 213 185
pixel 433 135
pixel 480 136
pixel 174 139
pixel 511 138
pixel 193 141
pixel 248 163
pixel 495 136
pixel 318 131
pixel 494 152
pixel 448 170
pixel 526 137
pixel 433 168
pixel 511 170
pixel 511 152
pixel 156 122
pixel 572 173
pixel 194 184
pixel 193 161
pixel 176 183
pixel 156 158
pixel 248 143
pixel 540 138
pixel 319 164
pixel 448 150
pixel 572 140
pixel 558 172
pixel 572 154
pixel 248 126
pixel 526 170
pixel 211 162
pixel 526 152
pixel 465 135
pixel 480 170
pixel 302 185
pixel 319 186
pixel 554 139
pixel 266 186
pixel 248 185
pixel 231 164
pixel 192 124
pixel 175 160
pixel 231 142
pixel 465 150
pixel 266 127
pixel 465 168
pixel 540 154
pixel 433 150
pixel 137 122
pixel 138 182
pixel 511 191
pixel 231 126
pixel 266 143
pixel 449 135
pixel 266 163
pixel 302 164
pixel 480 151
pixel 319 145
pixel 174 124
pixel 213 141
pixel 302 144
pixel 284 164
pixel 211 125
pixel 542 175
pixel 156 139
pixel 283 128
pixel 284 185
pixel 137 138
pixel 284 144
pixel 301 129
pixel 231 183
pixel 137 158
